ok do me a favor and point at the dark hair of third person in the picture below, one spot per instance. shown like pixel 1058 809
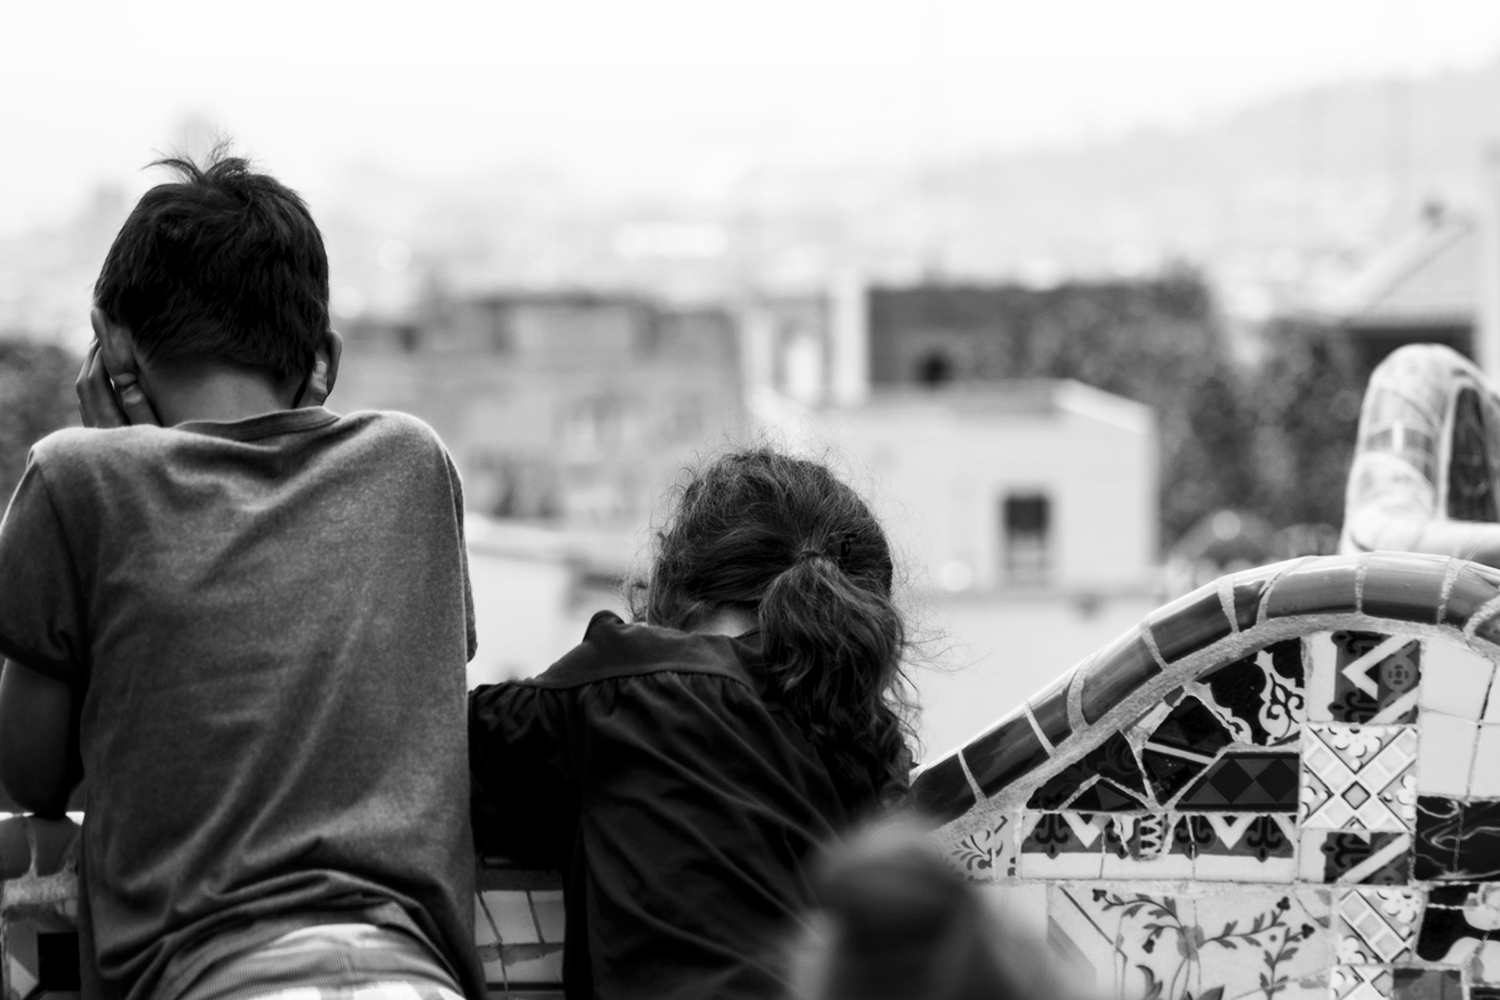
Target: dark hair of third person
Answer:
pixel 784 540
pixel 226 265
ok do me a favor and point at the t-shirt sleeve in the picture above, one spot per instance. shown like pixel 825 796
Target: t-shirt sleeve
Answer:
pixel 41 603
pixel 525 796
pixel 463 555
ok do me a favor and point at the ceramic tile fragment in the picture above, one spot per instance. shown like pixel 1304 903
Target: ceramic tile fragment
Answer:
pixel 1484 781
pixel 1000 756
pixel 1358 777
pixel 1113 759
pixel 1116 671
pixel 1447 754
pixel 1359 982
pixel 1259 697
pixel 942 790
pixel 1369 857
pixel 511 912
pixel 538 965
pixel 1061 845
pixel 1188 624
pixel 1376 926
pixel 1050 710
pixel 1375 678
pixel 1400 588
pixel 1455 680
pixel 1460 920
pixel 1321 658
pixel 1230 942
pixel 989 852
pixel 1427 984
pixel 1148 847
pixel 1182 746
pixel 1317 587
pixel 484 927
pixel 1265 782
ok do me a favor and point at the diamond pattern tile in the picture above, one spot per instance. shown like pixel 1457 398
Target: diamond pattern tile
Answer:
pixel 1376 925
pixel 1358 777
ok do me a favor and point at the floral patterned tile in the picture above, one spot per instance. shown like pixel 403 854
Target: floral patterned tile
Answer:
pixel 1375 926
pixel 1195 945
pixel 1358 777
pixel 1260 698
pixel 988 853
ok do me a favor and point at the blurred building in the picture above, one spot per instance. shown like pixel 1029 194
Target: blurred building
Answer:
pixel 1023 511
pixel 569 409
pixel 1424 287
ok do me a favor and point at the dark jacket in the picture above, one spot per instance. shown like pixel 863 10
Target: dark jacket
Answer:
pixel 680 805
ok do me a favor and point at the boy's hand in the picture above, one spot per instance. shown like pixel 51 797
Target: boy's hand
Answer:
pixel 103 403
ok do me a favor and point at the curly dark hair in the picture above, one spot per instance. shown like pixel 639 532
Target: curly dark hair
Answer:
pixel 785 540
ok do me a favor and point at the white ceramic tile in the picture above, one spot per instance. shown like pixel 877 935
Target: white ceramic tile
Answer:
pixel 1446 755
pixel 484 930
pixel 1243 868
pixel 1487 966
pixel 1484 781
pixel 1454 680
pixel 1492 707
pixel 512 915
pixel 549 913
pixel 1320 678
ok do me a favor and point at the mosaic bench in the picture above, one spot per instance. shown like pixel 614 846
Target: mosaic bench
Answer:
pixel 1286 782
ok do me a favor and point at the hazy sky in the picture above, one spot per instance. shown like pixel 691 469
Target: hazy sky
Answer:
pixel 674 95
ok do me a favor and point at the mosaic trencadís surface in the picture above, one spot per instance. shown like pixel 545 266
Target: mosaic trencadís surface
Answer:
pixel 1285 784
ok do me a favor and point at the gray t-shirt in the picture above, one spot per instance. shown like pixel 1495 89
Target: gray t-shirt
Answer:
pixel 267 623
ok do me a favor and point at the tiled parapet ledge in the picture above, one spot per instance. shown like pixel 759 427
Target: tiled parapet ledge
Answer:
pixel 518 917
pixel 1284 784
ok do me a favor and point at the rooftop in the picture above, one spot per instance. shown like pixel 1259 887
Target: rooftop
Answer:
pixel 1428 277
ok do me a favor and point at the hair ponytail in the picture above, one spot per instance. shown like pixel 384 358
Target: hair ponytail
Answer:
pixel 786 539
pixel 827 637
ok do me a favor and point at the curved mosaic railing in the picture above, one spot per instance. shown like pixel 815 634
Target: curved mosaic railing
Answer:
pixel 1285 783
pixel 1426 469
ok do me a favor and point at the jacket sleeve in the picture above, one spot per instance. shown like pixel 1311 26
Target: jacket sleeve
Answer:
pixel 526 798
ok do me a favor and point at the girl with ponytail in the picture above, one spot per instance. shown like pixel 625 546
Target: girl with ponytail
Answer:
pixel 683 770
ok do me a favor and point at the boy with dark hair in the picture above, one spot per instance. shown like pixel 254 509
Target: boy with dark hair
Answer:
pixel 245 619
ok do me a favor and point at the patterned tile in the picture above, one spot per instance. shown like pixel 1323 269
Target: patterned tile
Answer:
pixel 1147 847
pixel 987 853
pixel 1374 678
pixel 1113 759
pixel 1231 942
pixel 1182 746
pixel 1358 777
pixel 1375 926
pixel 1359 982
pixel 1265 782
pixel 1457 840
pixel 1260 698
pixel 1461 918
pixel 1061 845
pixel 1368 857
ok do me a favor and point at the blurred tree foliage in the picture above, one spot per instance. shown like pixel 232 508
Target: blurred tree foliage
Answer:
pixel 1275 439
pixel 1307 393
pixel 36 398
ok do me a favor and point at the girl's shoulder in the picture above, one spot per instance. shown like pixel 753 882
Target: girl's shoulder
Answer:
pixel 613 649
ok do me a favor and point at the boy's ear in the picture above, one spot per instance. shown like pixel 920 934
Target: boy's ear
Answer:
pixel 325 369
pixel 116 345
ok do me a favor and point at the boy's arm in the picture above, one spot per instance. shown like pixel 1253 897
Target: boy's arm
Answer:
pixel 39 763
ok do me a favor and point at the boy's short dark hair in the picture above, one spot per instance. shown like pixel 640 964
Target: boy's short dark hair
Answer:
pixel 225 265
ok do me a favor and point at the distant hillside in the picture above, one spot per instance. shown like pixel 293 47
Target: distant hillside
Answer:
pixel 1278 194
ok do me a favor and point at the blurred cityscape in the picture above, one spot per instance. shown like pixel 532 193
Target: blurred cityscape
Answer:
pixel 1076 382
